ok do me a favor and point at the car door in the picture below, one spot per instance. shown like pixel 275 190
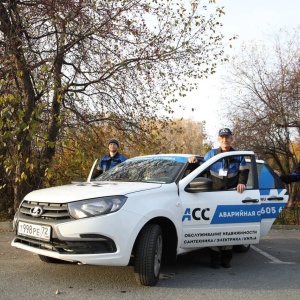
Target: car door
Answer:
pixel 273 196
pixel 93 170
pixel 220 217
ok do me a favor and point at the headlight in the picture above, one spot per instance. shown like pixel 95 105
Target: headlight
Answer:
pixel 96 207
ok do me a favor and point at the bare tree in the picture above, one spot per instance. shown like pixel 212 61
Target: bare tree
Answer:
pixel 70 63
pixel 264 99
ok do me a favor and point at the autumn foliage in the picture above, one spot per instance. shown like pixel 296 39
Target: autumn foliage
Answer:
pixel 73 67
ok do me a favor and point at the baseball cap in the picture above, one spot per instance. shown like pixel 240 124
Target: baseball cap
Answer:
pixel 225 131
pixel 113 140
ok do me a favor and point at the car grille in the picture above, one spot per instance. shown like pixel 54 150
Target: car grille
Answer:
pixel 106 245
pixel 54 211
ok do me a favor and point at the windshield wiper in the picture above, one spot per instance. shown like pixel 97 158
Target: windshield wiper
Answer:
pixel 120 179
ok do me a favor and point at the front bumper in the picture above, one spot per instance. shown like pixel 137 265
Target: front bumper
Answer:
pixel 96 240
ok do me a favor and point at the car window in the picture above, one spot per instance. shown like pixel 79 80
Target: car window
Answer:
pixel 219 171
pixel 249 184
pixel 151 169
pixel 267 178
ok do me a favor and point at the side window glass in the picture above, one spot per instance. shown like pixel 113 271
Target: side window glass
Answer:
pixel 205 173
pixel 191 167
pixel 265 179
pixel 249 184
pixel 225 172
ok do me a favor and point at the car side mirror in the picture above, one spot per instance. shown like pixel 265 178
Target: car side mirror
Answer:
pixel 199 184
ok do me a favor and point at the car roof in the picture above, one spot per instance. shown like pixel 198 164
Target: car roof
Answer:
pixel 258 161
pixel 185 156
pixel 171 154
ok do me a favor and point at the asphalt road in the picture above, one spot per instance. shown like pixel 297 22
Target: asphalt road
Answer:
pixel 270 270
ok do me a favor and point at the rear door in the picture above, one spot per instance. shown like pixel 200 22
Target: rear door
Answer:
pixel 222 217
pixel 273 196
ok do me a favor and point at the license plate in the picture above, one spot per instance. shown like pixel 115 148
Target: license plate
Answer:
pixel 40 232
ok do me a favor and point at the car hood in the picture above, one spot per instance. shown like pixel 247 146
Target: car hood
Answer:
pixel 88 190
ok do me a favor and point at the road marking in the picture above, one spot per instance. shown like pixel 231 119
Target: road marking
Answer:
pixel 273 259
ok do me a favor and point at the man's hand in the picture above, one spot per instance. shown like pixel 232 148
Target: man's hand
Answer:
pixel 240 188
pixel 192 160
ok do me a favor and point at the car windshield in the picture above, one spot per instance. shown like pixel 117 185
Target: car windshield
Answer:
pixel 146 169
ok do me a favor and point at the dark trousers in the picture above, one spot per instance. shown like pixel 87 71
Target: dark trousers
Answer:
pixel 220 256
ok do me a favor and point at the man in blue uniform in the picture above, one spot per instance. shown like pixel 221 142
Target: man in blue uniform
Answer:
pixel 226 174
pixel 230 172
pixel 112 159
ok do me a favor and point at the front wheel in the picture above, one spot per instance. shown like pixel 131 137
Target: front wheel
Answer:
pixel 148 255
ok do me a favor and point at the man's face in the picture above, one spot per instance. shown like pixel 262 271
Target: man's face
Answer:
pixel 225 141
pixel 112 147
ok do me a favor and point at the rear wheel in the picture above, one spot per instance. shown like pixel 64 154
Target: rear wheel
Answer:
pixel 242 248
pixel 148 255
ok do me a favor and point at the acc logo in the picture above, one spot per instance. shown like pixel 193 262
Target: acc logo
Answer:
pixel 36 211
pixel 197 214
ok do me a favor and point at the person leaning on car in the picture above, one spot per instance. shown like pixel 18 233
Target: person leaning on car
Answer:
pixel 230 173
pixel 112 159
pixel 293 177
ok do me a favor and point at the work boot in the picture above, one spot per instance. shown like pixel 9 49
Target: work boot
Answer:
pixel 226 256
pixel 215 259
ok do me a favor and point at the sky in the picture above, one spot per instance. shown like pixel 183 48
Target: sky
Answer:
pixel 250 20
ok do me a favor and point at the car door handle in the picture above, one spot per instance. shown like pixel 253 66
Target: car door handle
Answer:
pixel 250 201
pixel 275 198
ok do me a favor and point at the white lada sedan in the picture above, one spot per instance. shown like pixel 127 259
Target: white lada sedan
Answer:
pixel 146 211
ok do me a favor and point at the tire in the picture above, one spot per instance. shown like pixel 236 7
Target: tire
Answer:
pixel 242 248
pixel 148 255
pixel 50 260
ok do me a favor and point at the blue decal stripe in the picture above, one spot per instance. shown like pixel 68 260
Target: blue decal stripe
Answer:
pixel 265 192
pixel 226 214
pixel 271 210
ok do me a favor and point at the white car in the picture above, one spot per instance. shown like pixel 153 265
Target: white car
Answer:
pixel 148 210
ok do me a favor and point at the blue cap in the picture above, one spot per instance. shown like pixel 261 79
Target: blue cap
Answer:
pixel 225 131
